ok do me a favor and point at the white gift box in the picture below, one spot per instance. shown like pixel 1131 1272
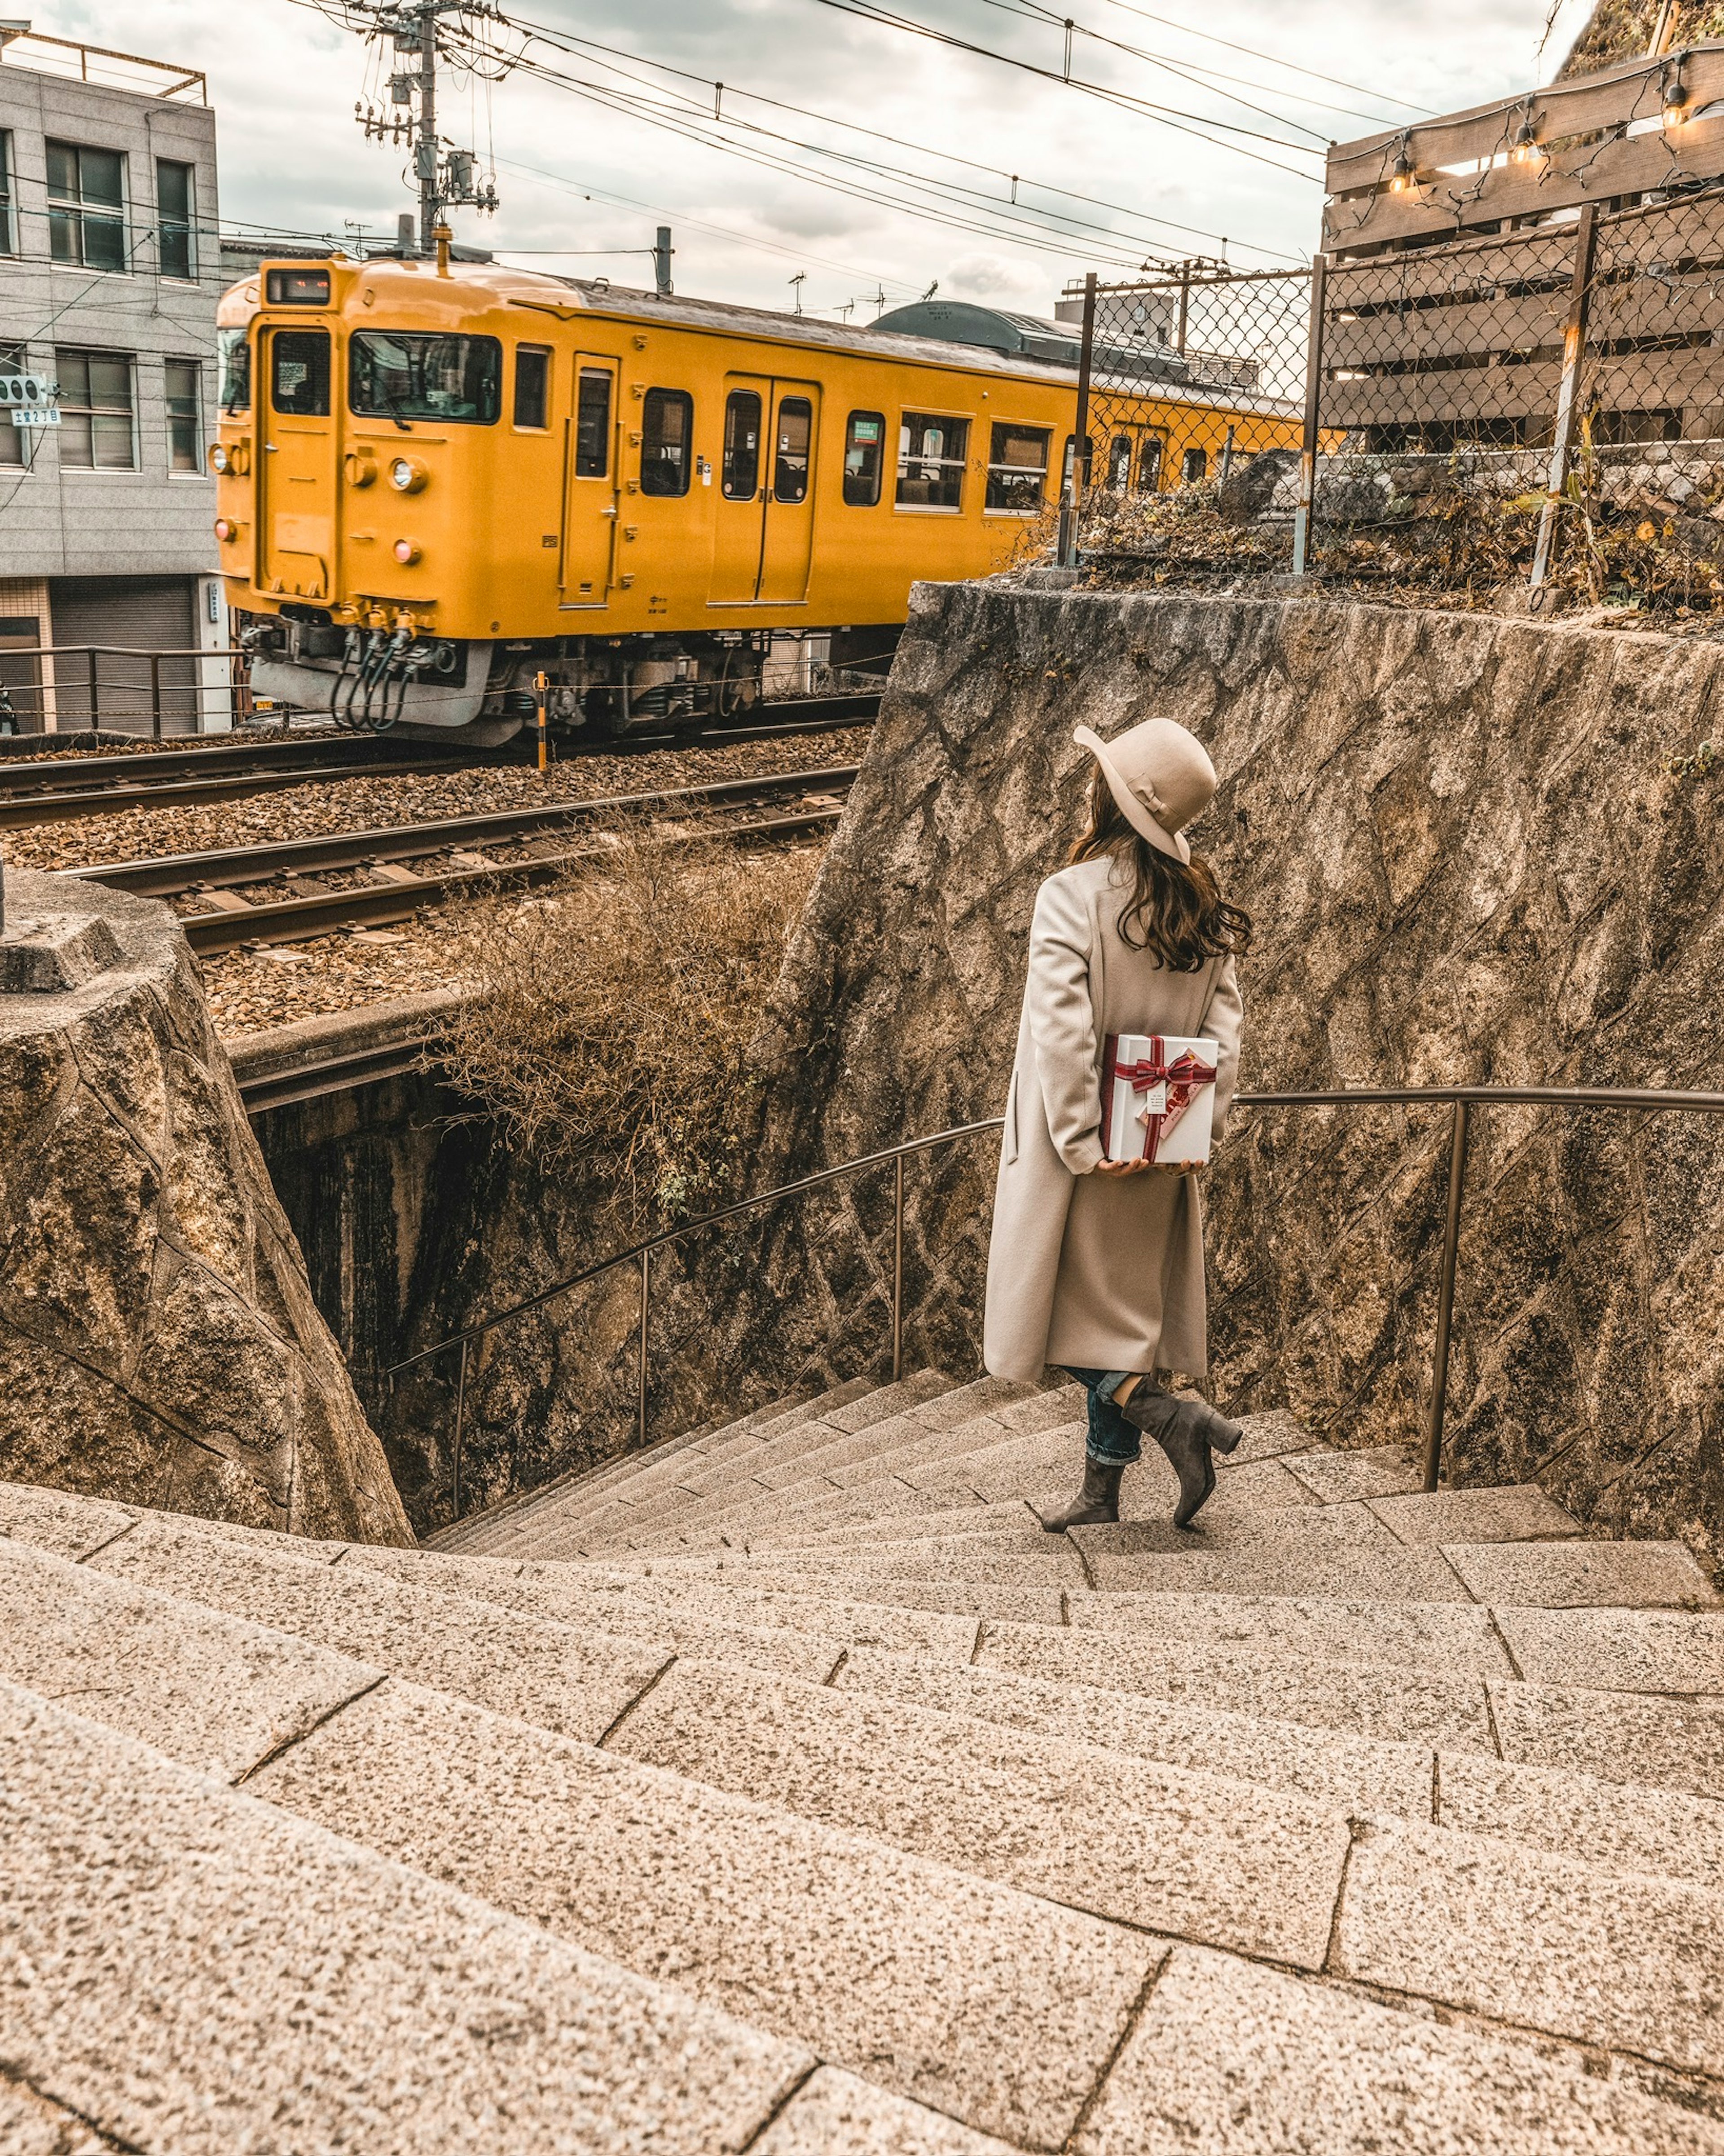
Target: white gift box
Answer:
pixel 1158 1096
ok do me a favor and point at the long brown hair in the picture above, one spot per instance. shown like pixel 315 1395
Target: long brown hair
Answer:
pixel 1176 910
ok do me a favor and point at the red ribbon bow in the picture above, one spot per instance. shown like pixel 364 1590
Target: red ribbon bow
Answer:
pixel 1184 1078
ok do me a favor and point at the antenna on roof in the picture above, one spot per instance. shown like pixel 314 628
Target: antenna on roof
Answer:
pixel 796 285
pixel 932 289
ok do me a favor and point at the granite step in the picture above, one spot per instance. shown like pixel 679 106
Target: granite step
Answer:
pixel 1456 1919
pixel 875 1959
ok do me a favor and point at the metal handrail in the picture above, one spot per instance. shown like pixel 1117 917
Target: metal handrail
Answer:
pixel 93 685
pixel 1462 1099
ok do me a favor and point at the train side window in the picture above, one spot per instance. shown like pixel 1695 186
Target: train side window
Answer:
pixel 1017 468
pixel 1149 463
pixel 593 423
pixel 790 455
pixel 532 385
pixel 234 348
pixel 299 373
pixel 741 445
pixel 864 438
pixel 667 426
pixel 1195 463
pixel 1119 463
pixel 931 451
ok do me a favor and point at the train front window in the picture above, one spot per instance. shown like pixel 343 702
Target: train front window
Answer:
pixel 420 374
pixel 234 351
pixel 790 455
pixel 532 385
pixel 667 426
pixel 865 439
pixel 593 423
pixel 931 450
pixel 740 475
pixel 1149 463
pixel 299 373
pixel 1119 462
pixel 1018 468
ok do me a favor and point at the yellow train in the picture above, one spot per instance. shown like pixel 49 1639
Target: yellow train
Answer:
pixel 438 480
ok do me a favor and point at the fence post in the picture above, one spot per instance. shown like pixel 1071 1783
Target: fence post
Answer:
pixel 898 1269
pixel 1313 408
pixel 156 696
pixel 460 1416
pixel 640 1405
pixel 1567 394
pixel 95 697
pixel 1445 1297
pixel 1075 492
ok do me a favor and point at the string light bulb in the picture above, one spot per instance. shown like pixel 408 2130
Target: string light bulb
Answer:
pixel 1402 178
pixel 1526 150
pixel 1675 100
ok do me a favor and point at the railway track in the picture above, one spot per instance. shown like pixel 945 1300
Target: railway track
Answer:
pixel 57 790
pixel 390 874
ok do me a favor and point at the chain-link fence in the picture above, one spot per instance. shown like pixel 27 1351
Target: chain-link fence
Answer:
pixel 1539 410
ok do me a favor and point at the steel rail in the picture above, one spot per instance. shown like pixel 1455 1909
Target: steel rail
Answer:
pixel 1461 1100
pixel 171 875
pixel 334 1074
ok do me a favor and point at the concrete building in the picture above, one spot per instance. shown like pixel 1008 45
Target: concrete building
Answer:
pixel 110 270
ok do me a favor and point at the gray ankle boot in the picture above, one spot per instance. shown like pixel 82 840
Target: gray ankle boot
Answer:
pixel 1186 1430
pixel 1096 1505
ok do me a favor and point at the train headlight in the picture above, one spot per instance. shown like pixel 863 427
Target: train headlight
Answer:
pixel 406 553
pixel 219 458
pixel 406 474
pixel 226 529
pixel 229 459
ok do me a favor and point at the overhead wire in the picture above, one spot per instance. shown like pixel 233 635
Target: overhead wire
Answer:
pixel 1251 52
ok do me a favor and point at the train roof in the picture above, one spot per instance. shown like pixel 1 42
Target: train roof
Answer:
pixel 539 288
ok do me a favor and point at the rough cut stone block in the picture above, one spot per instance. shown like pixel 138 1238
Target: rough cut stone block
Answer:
pixel 1619 1650
pixel 876 1960
pixel 43 954
pixel 1219 1860
pixel 876 1406
pixel 574 1682
pixel 192 1970
pixel 1335 1477
pixel 1620 1737
pixel 834 2114
pixel 1330 1768
pixel 1232 2060
pixel 1408 1706
pixel 212 1691
pixel 1518 1512
pixel 1565 1575
pixel 1617 1826
pixel 1448 1637
pixel 1267 1437
pixel 1492 1928
pixel 54 1520
pixel 1360 1573
pixel 29 2127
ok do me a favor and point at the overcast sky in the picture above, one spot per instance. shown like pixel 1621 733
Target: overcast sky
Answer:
pixel 578 177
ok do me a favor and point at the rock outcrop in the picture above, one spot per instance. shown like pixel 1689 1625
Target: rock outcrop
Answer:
pixel 1477 850
pixel 159 1343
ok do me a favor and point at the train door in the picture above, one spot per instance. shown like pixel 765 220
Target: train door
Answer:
pixel 788 495
pixel 763 522
pixel 297 491
pixel 590 460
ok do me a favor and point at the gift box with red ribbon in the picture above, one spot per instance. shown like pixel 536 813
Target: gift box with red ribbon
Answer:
pixel 1158 1096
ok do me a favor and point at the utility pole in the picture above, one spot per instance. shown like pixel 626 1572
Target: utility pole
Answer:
pixel 425 149
pixel 443 182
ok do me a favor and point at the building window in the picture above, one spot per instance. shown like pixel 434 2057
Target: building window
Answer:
pixel 739 474
pixel 86 206
pixel 184 416
pixel 8 241
pixel 667 425
pixel 1149 463
pixel 233 351
pixel 97 432
pixel 790 457
pixel 1018 468
pixel 14 359
pixel 593 423
pixel 864 439
pixel 174 254
pixel 1193 466
pixel 931 450
pixel 532 385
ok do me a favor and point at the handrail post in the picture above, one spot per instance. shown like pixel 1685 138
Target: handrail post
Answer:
pixel 641 1404
pixel 156 696
pixel 460 1415
pixel 897 1269
pixel 95 689
pixel 1445 1297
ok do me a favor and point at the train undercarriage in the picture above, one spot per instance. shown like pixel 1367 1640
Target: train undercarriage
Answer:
pixel 391 680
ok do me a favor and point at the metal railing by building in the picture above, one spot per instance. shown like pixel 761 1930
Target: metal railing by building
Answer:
pixel 66 688
pixel 1461 1101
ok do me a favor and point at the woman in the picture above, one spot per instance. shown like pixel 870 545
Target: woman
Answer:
pixel 1096 1265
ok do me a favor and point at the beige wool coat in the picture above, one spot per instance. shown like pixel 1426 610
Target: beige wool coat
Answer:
pixel 1094 1271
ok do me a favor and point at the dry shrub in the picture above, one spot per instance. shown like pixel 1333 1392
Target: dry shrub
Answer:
pixel 609 1026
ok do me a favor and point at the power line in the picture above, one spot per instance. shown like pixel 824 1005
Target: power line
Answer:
pixel 1251 52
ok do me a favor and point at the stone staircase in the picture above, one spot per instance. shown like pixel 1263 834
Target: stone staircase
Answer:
pixel 785 1788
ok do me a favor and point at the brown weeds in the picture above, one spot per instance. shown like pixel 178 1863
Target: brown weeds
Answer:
pixel 611 1018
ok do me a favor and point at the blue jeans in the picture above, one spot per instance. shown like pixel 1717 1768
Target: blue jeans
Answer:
pixel 1112 1440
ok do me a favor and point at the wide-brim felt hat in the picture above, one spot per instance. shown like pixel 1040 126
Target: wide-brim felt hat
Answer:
pixel 1160 775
